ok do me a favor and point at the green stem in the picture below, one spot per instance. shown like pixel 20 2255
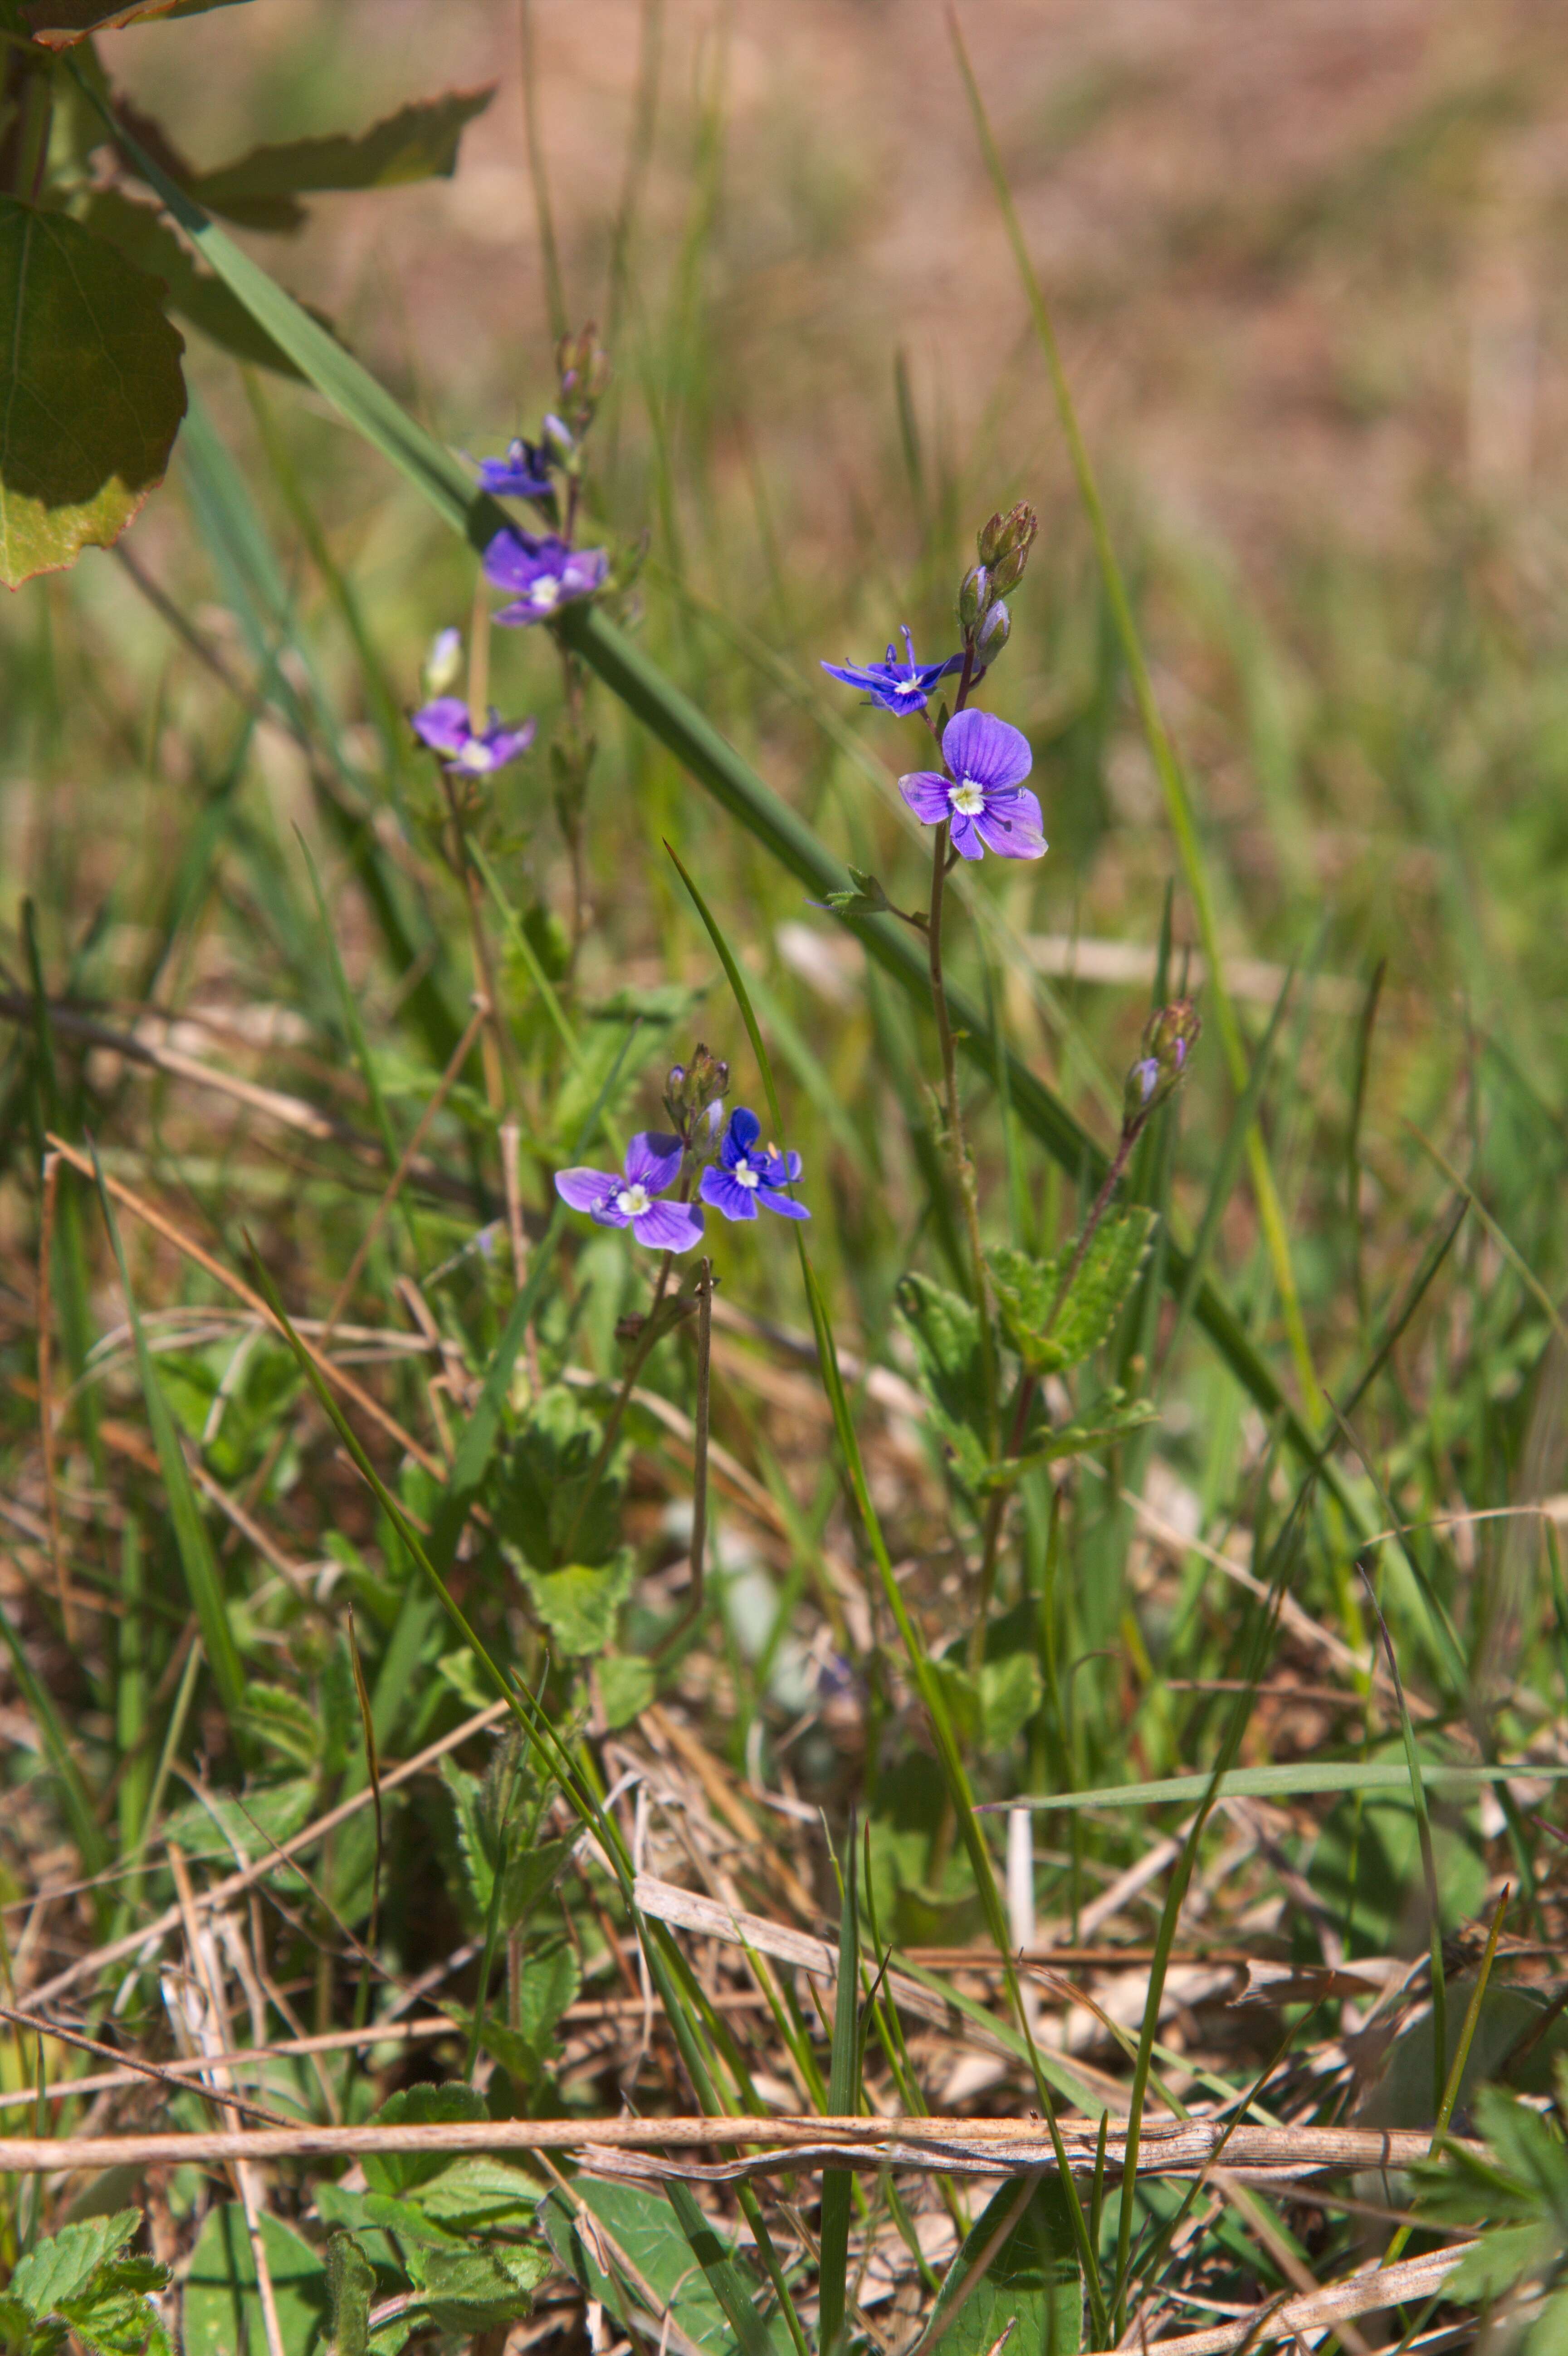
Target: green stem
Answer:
pixel 639 1358
pixel 964 1169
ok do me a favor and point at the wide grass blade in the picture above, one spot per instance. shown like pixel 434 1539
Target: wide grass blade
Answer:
pixel 843 2103
pixel 1288 1783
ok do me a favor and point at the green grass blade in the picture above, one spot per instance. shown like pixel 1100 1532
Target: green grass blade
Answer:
pixel 1287 1782
pixel 735 2290
pixel 843 2103
pixel 204 1582
pixel 93 1844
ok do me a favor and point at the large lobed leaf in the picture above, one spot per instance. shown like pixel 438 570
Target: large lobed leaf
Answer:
pixel 60 24
pixel 91 391
pixel 419 143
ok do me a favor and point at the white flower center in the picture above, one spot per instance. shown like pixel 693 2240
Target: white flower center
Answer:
pixel 474 755
pixel 967 798
pixel 744 1175
pixel 907 687
pixel 544 591
pixel 633 1200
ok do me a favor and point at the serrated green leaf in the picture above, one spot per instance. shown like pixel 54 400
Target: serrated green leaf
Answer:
pixel 580 1605
pixel 540 1505
pixel 21 2335
pixel 63 2267
pixel 419 143
pixel 1502 2260
pixel 350 2286
pixel 401 2172
pixel 470 2290
pixel 1026 1292
pixel 60 24
pixel 1114 1423
pixel 221 1828
pixel 283 1722
pixel 91 391
pixel 115 2317
pixel 947 1335
pixel 477 2193
pixel 408 2220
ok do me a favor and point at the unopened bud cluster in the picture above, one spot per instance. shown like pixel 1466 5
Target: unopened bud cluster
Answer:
pixel 582 368
pixel 1002 547
pixel 693 1092
pixel 1170 1037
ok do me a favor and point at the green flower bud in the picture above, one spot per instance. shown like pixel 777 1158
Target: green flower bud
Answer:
pixel 974 596
pixel 1008 535
pixel 692 1089
pixel 994 633
pixel 1170 1037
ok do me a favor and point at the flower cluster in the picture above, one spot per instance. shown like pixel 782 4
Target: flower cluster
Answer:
pixel 445 726
pixel 734 1181
pixel 1169 1036
pixel 541 574
pixel 978 794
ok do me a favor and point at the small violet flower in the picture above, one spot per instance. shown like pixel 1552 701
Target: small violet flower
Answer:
pixel 652 1164
pixel 742 1177
pixel 985 799
pixel 896 686
pixel 444 726
pixel 522 473
pixel 543 574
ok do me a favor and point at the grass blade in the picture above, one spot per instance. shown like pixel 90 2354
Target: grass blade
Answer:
pixel 843 2101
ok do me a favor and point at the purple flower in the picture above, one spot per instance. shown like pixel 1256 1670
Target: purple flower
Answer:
pixel 896 686
pixel 986 799
pixel 742 1177
pixel 522 473
pixel 543 574
pixel 444 726
pixel 653 1165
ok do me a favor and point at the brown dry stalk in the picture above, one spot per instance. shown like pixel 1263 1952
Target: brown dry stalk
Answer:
pixel 990 2147
pixel 1318 2310
pixel 46 1393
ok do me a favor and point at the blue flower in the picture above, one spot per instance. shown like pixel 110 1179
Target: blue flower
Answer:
pixel 742 1177
pixel 446 727
pixel 653 1165
pixel 896 686
pixel 522 473
pixel 543 574
pixel 983 798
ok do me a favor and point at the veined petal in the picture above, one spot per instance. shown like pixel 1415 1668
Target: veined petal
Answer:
pixel 609 1214
pixel 786 1205
pixel 652 1160
pixel 727 1194
pixel 966 841
pixel 926 795
pixel 977 744
pixel 585 1189
pixel 1011 825
pixel 853 675
pixel 740 1137
pixel 668 1227
pixel 782 1169
pixel 512 558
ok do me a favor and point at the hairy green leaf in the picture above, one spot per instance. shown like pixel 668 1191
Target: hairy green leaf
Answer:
pixel 580 1604
pixel 222 2309
pixel 1031 2280
pixel 650 2269
pixel 469 2290
pixel 350 2283
pixel 1026 1292
pixel 63 2267
pixel 91 391
pixel 402 2172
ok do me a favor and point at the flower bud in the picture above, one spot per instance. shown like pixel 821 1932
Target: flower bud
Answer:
pixel 693 1091
pixel 1169 1038
pixel 995 632
pixel 974 596
pixel 1008 535
pixel 443 664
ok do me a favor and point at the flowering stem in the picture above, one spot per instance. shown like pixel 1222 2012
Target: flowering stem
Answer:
pixel 694 1599
pixel 962 1164
pixel 643 1345
pixel 479 658
pixel 1029 1383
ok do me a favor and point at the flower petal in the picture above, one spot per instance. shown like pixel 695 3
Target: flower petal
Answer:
pixel 1010 823
pixel 609 1214
pixel 740 1137
pixel 728 1194
pixel 668 1227
pixel 853 675
pixel 966 841
pixel 782 1169
pixel 977 744
pixel 652 1160
pixel 786 1205
pixel 585 1189
pixel 512 559
pixel 442 724
pixel 926 795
